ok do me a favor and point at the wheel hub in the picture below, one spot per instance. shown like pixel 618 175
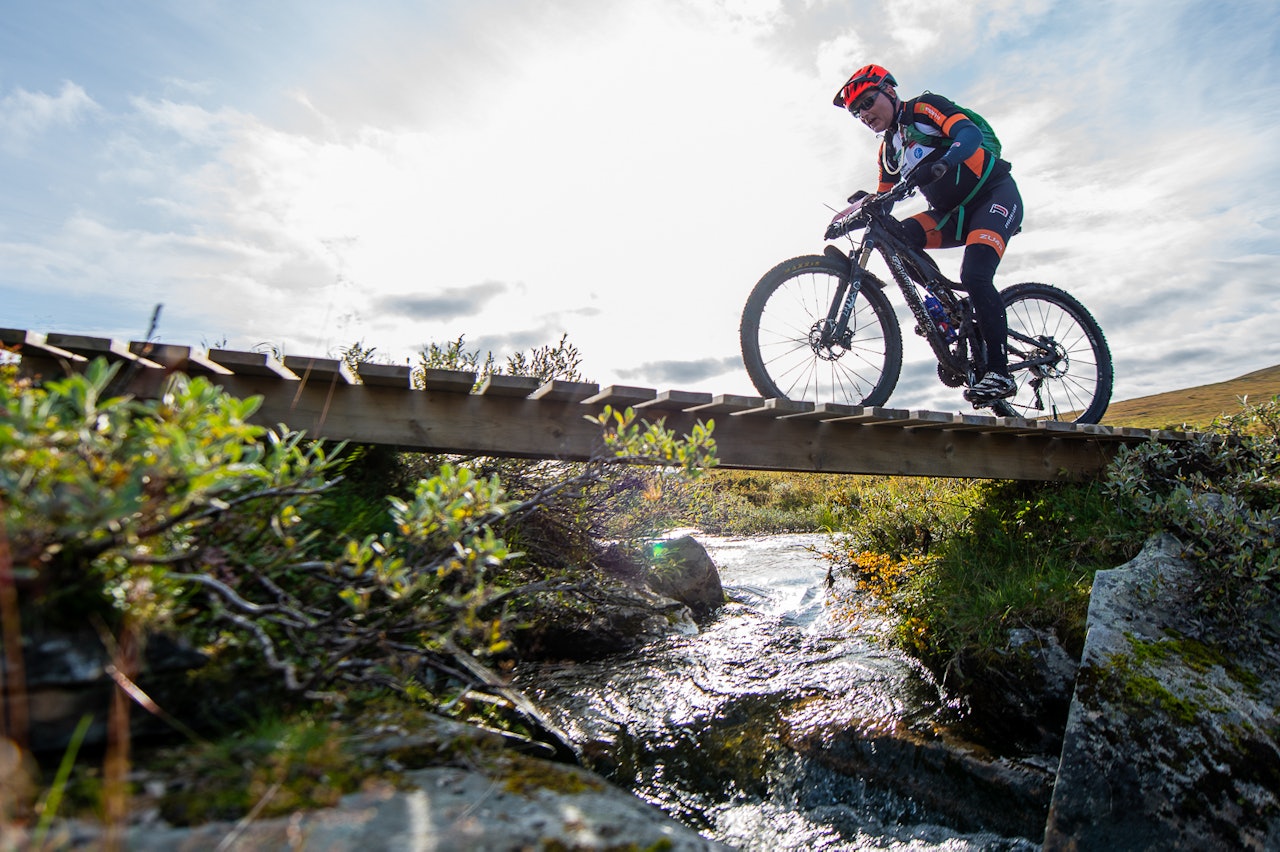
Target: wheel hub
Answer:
pixel 1059 366
pixel 822 345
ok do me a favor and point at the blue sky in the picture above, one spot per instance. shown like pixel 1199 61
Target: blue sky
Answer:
pixel 305 175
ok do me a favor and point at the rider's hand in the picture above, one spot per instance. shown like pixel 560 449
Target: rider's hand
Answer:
pixel 925 175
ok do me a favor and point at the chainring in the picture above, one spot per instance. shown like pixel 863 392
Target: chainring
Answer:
pixel 949 377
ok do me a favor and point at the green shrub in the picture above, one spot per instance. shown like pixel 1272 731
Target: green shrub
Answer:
pixel 1219 493
pixel 176 513
pixel 953 565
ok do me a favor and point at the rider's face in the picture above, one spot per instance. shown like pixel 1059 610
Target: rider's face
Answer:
pixel 880 114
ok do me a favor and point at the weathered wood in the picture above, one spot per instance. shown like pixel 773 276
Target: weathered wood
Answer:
pixel 621 396
pixel 558 390
pixel 92 347
pixel 34 344
pixel 252 364
pixel 178 358
pixel 675 400
pixel 521 417
pixel 726 403
pixel 518 386
pixel 510 426
pixel 321 369
pixel 454 381
pixel 776 408
pixel 825 411
pixel 933 420
pixel 386 375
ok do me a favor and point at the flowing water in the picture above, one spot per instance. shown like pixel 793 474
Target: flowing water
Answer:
pixel 693 723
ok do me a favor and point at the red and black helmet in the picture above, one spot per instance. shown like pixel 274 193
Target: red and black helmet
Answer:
pixel 863 80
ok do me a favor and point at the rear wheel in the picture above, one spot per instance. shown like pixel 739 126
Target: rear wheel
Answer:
pixel 782 337
pixel 1057 355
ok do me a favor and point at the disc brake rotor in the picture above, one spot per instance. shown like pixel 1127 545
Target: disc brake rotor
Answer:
pixel 828 351
pixel 1059 366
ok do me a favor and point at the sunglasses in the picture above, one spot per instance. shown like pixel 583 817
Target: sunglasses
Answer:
pixel 864 103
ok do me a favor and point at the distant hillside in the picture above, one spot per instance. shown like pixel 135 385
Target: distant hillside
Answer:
pixel 1194 406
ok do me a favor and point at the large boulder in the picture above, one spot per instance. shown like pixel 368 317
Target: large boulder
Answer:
pixel 681 569
pixel 1171 741
pixel 448 809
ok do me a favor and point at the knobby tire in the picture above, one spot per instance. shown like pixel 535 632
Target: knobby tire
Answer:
pixel 783 310
pixel 1078 387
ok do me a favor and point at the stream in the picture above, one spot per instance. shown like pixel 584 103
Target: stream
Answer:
pixel 699 725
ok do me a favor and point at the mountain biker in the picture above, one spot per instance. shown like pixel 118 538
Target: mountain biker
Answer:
pixel 973 200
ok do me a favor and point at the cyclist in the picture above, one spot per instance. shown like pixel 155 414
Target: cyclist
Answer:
pixel 973 200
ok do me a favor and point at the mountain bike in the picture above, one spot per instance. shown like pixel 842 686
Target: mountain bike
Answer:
pixel 820 328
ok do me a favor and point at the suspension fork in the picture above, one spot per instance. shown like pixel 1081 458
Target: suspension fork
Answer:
pixel 841 310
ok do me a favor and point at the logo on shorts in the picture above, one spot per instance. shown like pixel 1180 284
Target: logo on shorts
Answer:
pixel 994 239
pixel 1000 210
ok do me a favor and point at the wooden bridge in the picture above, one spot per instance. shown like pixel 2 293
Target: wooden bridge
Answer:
pixel 445 411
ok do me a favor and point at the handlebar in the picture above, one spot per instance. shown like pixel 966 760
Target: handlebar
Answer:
pixel 855 216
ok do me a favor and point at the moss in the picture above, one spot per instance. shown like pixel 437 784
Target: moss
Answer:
pixel 280 767
pixel 1146 691
pixel 1126 679
pixel 1198 656
pixel 661 845
pixel 525 776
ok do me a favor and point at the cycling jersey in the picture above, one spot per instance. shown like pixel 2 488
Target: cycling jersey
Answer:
pixel 975 204
pixel 925 128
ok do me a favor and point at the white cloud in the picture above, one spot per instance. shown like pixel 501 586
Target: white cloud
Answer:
pixel 24 115
pixel 625 172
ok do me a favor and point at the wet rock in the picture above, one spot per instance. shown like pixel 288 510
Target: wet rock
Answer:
pixel 640 597
pixel 617 618
pixel 1018 698
pixel 443 809
pixel 1172 738
pixel 681 569
pixel 962 784
pixel 66 678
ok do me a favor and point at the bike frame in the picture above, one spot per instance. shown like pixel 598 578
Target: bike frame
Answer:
pixel 912 268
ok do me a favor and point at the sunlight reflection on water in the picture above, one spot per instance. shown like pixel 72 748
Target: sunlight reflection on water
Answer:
pixel 694 724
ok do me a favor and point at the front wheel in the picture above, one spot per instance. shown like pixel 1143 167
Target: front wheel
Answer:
pixel 1058 356
pixel 789 351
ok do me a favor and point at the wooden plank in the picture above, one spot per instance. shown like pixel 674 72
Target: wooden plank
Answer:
pixel 19 339
pixel 449 381
pixel 869 416
pixel 1018 426
pixel 621 396
pixel 1075 431
pixel 825 411
pixel 386 375
pixel 675 400
pixel 94 347
pixel 776 408
pixel 727 403
pixel 1131 433
pixel 520 417
pixel 559 390
pixel 507 426
pixel 974 423
pixel 322 369
pixel 179 358
pixel 933 420
pixel 252 364
pixel 517 386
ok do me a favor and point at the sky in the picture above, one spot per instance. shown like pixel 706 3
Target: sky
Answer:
pixel 298 176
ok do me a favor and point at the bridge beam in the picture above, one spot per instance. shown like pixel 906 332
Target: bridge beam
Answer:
pixel 515 417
